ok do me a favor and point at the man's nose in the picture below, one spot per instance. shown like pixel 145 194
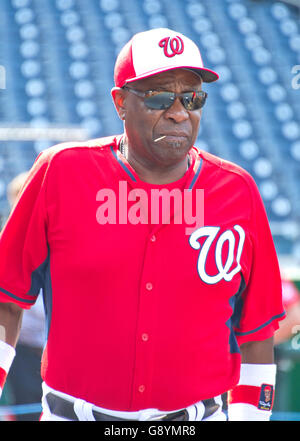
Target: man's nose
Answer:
pixel 177 112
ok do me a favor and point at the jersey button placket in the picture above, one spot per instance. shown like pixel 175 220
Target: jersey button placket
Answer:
pixel 153 238
pixel 141 388
pixel 145 327
pixel 145 337
pixel 149 286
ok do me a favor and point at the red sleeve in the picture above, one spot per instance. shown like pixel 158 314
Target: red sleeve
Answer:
pixel 23 242
pixel 262 298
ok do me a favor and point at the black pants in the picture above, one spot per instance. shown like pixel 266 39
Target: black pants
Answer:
pixel 24 379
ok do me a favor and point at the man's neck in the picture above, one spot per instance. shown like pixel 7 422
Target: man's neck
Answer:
pixel 155 173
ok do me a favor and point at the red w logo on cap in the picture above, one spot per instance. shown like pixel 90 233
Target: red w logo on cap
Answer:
pixel 172 46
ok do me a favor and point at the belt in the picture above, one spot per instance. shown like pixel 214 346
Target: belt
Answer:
pixel 63 408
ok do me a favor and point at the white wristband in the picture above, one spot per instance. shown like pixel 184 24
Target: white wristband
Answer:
pixel 256 374
pixel 7 355
pixel 251 375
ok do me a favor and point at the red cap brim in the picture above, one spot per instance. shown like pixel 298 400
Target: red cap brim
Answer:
pixel 207 75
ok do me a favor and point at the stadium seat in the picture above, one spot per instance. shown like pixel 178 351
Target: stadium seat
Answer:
pixel 281 206
pixel 31 68
pixel 276 93
pixel 109 5
pixel 295 150
pixel 157 21
pixel 20 3
pixel 262 167
pixel 237 11
pixel 230 92
pixel 236 110
pixel 283 112
pixel 246 25
pixel 249 149
pixel 253 41
pixel 242 129
pixel 288 27
pixel 113 20
pixel 64 4
pixel 294 42
pixel 267 75
pixel 151 7
pixel 279 11
pixel 268 189
pixel 291 130
pixel 202 25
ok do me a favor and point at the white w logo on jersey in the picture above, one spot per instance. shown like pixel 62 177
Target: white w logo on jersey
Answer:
pixel 211 233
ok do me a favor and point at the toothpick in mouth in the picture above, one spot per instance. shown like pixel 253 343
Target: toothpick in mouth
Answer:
pixel 160 138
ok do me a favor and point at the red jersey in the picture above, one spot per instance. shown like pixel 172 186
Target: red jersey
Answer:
pixel 141 314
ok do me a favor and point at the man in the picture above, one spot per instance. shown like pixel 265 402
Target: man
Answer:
pixel 151 303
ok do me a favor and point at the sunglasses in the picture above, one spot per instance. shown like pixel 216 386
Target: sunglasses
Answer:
pixel 162 100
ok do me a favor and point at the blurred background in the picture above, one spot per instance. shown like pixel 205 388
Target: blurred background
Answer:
pixel 56 73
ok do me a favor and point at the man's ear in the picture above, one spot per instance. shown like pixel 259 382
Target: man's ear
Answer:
pixel 118 96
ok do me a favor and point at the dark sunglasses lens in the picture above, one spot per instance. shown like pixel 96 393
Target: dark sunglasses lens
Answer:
pixel 164 100
pixel 160 100
pixel 194 100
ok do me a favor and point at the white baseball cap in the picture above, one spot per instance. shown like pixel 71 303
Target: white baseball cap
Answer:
pixel 158 50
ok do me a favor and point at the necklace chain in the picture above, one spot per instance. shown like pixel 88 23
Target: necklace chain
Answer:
pixel 123 149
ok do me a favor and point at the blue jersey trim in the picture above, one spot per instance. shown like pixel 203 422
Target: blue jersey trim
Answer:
pixel 125 168
pixel 196 175
pixel 236 303
pixel 47 295
pixel 261 326
pixel 20 299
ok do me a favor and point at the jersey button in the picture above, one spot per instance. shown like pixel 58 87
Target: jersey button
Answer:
pixel 153 238
pixel 145 337
pixel 142 388
pixel 149 286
